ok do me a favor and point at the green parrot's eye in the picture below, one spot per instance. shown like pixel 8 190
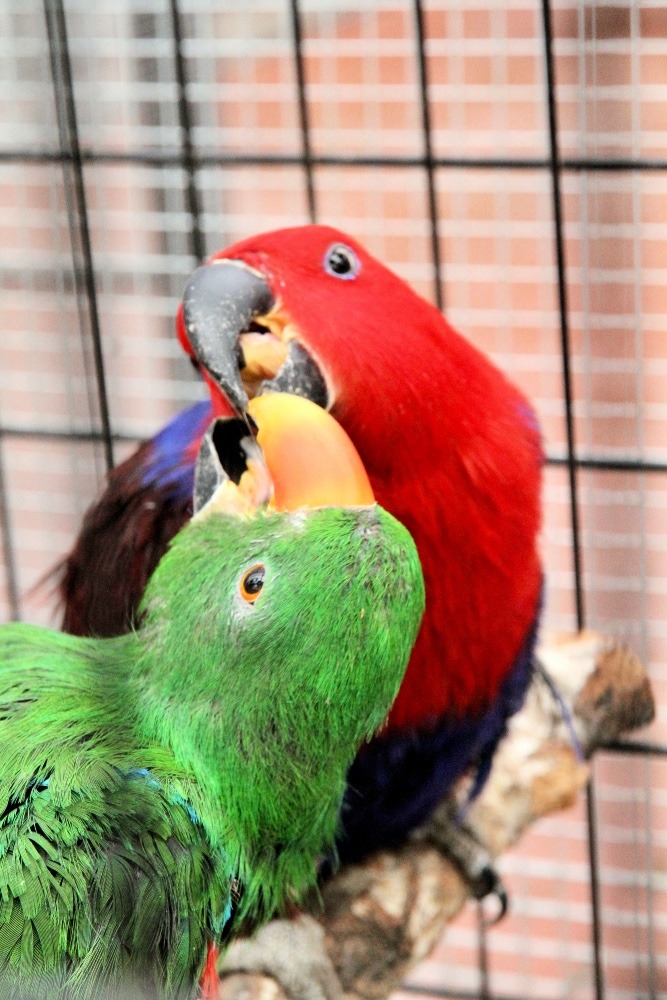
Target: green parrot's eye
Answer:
pixel 341 261
pixel 252 582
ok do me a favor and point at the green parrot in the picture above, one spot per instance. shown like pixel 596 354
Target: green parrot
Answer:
pixel 161 789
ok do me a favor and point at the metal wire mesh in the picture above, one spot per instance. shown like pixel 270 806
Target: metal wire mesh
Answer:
pixel 509 160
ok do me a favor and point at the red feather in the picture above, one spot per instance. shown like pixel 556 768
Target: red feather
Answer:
pixel 209 983
pixel 451 448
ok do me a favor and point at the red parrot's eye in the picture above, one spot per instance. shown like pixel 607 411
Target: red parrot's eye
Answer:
pixel 252 582
pixel 340 261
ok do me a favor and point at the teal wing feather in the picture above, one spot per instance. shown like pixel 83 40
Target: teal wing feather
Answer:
pixel 107 887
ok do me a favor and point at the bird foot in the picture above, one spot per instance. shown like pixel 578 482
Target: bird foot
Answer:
pixel 461 845
pixel 293 953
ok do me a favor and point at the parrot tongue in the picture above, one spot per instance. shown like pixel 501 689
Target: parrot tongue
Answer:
pixel 286 455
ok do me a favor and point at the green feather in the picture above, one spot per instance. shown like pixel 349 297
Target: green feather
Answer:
pixel 144 778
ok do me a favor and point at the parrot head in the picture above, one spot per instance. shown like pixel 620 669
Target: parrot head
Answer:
pixel 305 311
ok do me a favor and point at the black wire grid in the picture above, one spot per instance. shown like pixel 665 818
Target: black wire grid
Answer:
pixel 73 159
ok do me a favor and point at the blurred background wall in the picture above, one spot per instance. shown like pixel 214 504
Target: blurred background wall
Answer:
pixel 459 170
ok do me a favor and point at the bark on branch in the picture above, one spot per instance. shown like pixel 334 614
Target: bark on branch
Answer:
pixel 381 917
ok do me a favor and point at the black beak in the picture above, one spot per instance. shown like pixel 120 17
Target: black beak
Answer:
pixel 220 301
pixel 226 449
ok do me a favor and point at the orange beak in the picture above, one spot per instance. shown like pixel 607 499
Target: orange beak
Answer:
pixel 301 457
pixel 310 458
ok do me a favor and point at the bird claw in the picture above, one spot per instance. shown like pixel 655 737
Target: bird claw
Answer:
pixel 460 845
pixel 487 883
pixel 293 953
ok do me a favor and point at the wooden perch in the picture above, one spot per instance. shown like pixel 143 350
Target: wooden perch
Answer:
pixel 381 917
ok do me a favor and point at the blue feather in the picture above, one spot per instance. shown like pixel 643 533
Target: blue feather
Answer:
pixel 171 462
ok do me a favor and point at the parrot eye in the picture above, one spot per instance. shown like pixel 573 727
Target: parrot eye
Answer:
pixel 252 582
pixel 341 262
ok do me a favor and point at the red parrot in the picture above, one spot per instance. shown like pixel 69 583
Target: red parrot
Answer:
pixel 451 447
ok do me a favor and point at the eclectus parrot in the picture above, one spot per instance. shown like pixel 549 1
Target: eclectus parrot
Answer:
pixel 452 449
pixel 161 789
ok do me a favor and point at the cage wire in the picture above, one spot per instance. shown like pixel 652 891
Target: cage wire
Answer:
pixel 509 159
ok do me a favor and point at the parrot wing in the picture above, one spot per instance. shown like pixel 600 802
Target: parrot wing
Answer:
pixel 99 865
